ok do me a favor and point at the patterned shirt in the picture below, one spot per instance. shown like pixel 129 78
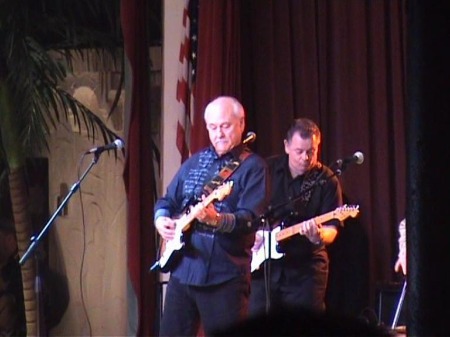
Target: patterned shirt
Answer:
pixel 211 255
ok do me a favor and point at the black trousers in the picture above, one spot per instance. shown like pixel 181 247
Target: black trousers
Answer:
pixel 303 288
pixel 215 307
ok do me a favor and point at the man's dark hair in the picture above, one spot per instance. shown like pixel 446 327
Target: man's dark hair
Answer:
pixel 305 127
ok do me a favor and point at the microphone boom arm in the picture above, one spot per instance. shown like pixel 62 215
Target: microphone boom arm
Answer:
pixel 35 240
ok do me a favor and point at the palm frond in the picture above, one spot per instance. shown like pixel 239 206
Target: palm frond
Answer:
pixel 34 75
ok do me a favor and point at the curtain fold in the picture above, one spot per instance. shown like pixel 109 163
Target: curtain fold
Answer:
pixel 139 172
pixel 218 65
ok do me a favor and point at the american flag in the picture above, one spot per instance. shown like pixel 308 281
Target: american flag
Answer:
pixel 186 77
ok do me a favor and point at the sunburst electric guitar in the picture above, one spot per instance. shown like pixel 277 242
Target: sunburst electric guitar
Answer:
pixel 171 250
pixel 276 235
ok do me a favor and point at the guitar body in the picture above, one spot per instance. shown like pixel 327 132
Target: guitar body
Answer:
pixel 269 248
pixel 273 238
pixel 171 250
pixel 170 253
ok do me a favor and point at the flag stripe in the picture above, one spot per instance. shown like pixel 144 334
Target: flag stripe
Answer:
pixel 186 77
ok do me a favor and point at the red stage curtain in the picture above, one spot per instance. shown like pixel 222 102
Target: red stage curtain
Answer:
pixel 139 173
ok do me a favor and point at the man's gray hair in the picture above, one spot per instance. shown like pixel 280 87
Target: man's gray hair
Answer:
pixel 238 109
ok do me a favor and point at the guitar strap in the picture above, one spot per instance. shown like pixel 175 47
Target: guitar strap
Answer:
pixel 226 172
pixel 308 183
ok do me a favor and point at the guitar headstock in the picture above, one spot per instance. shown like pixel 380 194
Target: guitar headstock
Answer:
pixel 223 190
pixel 346 211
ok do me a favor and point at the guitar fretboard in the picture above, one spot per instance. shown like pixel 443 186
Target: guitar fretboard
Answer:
pixel 293 230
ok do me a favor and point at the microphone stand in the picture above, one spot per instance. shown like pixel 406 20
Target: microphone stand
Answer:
pixel 399 307
pixel 337 167
pixel 35 241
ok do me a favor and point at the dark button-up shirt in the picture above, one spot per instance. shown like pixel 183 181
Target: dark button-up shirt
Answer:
pixel 212 256
pixel 325 196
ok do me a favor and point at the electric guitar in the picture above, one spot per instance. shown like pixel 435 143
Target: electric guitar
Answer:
pixel 171 250
pixel 276 235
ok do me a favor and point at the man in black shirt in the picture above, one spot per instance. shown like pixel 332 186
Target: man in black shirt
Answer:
pixel 302 188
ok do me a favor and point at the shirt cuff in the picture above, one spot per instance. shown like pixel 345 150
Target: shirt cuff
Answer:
pixel 161 212
pixel 226 222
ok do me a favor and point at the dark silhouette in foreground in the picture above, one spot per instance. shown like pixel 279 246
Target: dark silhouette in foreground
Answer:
pixel 302 322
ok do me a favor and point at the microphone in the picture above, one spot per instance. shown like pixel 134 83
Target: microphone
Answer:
pixel 357 158
pixel 249 137
pixel 116 145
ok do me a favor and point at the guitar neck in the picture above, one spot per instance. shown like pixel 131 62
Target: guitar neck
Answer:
pixel 293 230
pixel 187 218
pixel 219 193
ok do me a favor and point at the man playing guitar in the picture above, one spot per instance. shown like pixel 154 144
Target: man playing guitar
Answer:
pixel 299 278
